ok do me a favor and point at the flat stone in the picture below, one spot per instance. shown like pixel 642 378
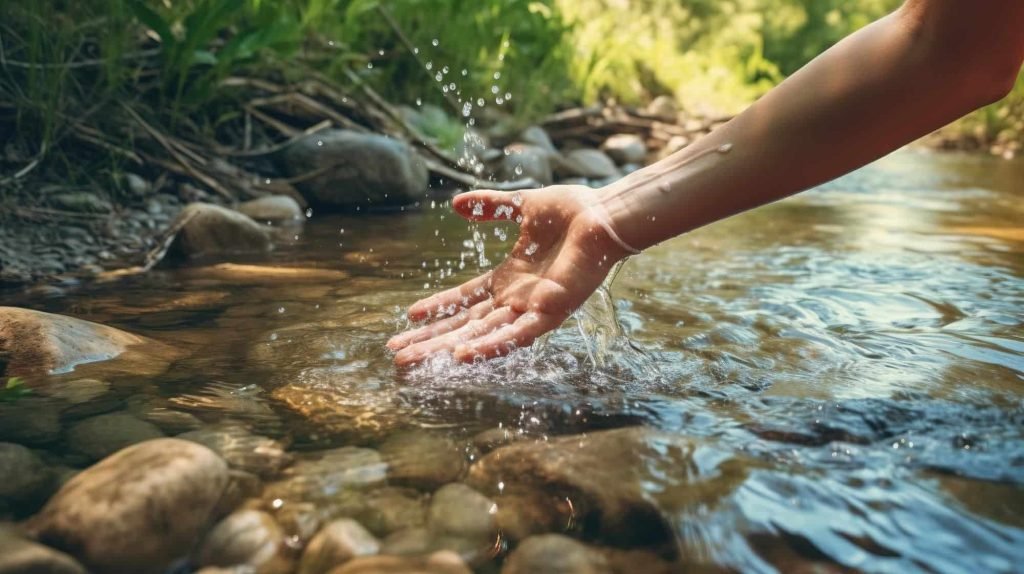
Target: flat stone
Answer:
pixel 214 231
pixel 103 435
pixel 336 543
pixel 422 460
pixel 273 208
pixel 555 554
pixel 137 510
pixel 19 555
pixel 522 161
pixel 356 170
pixel 248 538
pixel 437 563
pixel 243 450
pixel 322 476
pixel 588 163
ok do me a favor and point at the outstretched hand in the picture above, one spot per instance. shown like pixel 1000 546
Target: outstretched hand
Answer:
pixel 562 255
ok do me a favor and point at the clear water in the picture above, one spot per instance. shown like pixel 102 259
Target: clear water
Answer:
pixel 857 351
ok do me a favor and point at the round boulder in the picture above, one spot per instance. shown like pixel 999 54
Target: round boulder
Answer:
pixel 249 538
pixel 337 543
pixel 102 435
pixel 211 230
pixel 555 554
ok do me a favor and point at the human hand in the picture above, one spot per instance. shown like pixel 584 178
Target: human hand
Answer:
pixel 562 255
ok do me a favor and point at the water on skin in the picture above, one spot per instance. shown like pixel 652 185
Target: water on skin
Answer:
pixel 857 349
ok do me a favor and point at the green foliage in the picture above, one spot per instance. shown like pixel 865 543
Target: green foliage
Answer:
pixel 13 390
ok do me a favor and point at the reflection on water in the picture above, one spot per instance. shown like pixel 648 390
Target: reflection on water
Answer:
pixel 857 351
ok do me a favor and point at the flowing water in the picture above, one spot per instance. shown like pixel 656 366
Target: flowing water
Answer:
pixel 851 358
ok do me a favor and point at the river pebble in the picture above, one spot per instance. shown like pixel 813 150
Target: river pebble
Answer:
pixel 102 435
pixel 248 538
pixel 555 554
pixel 336 543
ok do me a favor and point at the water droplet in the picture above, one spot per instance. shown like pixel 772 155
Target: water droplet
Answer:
pixel 419 101
pixel 478 209
pixel 369 65
pixel 429 65
pixel 532 248
pixel 725 148
pixel 467 109
pixel 494 89
pixel 438 77
pixel 517 199
pixel 518 169
pixel 415 50
pixel 320 143
pixel 480 102
pixel 497 75
pixel 434 42
pixel 380 52
pixel 465 72
pixel 309 212
pixel 444 70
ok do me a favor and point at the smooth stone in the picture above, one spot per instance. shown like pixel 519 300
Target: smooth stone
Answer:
pixel 82 397
pixel 555 554
pixel 422 460
pixel 247 538
pixel 24 477
pixel 588 163
pixel 243 450
pixel 156 411
pixel 408 542
pixel 526 161
pixel 490 439
pixel 625 148
pixel 664 107
pixel 322 476
pixel 137 510
pixel 273 208
pixel 631 503
pixel 103 435
pixel 36 343
pixel 337 543
pixel 30 420
pixel 437 563
pixel 389 509
pixel 19 555
pixel 537 136
pixel 211 230
pixel 138 186
pixel 356 169
pixel 463 520
pixel 82 201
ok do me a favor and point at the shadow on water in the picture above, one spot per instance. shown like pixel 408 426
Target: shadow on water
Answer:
pixel 851 360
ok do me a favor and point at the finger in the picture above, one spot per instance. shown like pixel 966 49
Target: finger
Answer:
pixel 439 328
pixel 502 341
pixel 489 205
pixel 447 342
pixel 451 301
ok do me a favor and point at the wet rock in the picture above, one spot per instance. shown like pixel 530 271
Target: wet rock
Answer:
pixel 273 208
pixel 24 477
pixel 386 510
pixel 34 342
pixel 629 561
pixel 81 201
pixel 19 555
pixel 137 510
pixel 81 397
pixel 436 563
pixel 102 435
pixel 322 476
pixel 408 542
pixel 138 186
pixel 337 543
pixel 236 444
pixel 490 439
pixel 555 554
pixel 156 410
pixel 629 503
pixel 625 148
pixel 526 161
pixel 537 136
pixel 30 420
pixel 358 169
pixel 300 519
pixel 422 460
pixel 212 230
pixel 463 520
pixel 588 163
pixel 247 538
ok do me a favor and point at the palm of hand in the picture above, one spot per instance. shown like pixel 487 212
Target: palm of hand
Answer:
pixel 559 259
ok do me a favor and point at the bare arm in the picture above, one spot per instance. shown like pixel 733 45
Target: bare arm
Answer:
pixel 911 72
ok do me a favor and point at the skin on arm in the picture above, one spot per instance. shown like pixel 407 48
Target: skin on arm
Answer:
pixel 893 81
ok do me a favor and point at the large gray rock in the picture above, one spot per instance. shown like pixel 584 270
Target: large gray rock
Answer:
pixel 137 510
pixel 248 538
pixel 103 435
pixel 422 460
pixel 19 555
pixel 555 554
pixel 24 477
pixel 523 161
pixel 631 503
pixel 337 543
pixel 356 170
pixel 625 148
pixel 437 563
pixel 536 136
pixel 34 342
pixel 273 208
pixel 588 163
pixel 215 231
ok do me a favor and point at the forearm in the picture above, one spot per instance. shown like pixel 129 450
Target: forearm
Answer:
pixel 877 90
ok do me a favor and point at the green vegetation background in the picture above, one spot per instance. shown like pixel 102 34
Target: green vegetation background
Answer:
pixel 62 59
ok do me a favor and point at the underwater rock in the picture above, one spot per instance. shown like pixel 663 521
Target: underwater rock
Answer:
pixel 422 460
pixel 247 538
pixel 137 510
pixel 463 520
pixel 588 163
pixel 273 208
pixel 34 342
pixel 543 486
pixel 211 230
pixel 102 435
pixel 24 477
pixel 322 476
pixel 243 450
pixel 356 169
pixel 437 563
pixel 19 555
pixel 625 149
pixel 337 543
pixel 555 554
pixel 490 439
pixel 81 397
pixel 30 420
pixel 526 161
pixel 389 509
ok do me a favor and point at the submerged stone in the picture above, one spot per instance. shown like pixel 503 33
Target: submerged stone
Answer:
pixel 437 563
pixel 555 554
pixel 236 444
pixel 250 539
pixel 24 477
pixel 422 460
pixel 337 543
pixel 102 435
pixel 19 555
